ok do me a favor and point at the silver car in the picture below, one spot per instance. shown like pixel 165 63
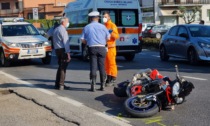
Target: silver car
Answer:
pixel 189 41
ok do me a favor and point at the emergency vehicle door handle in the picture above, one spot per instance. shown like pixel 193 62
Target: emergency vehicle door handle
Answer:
pixel 123 30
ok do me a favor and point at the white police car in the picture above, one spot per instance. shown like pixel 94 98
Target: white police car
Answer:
pixel 21 40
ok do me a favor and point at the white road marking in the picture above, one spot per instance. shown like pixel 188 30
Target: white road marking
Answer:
pixel 17 79
pixel 46 91
pixel 195 78
pixel 70 101
pixel 113 119
pixel 156 56
pixel 120 66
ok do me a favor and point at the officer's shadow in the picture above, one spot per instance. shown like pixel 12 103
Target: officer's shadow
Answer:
pixel 49 84
pixel 115 104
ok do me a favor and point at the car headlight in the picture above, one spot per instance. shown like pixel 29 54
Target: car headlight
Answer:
pixel 10 44
pixel 47 43
pixel 204 45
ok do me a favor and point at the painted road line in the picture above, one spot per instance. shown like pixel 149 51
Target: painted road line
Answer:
pixel 156 56
pixel 112 119
pixel 120 66
pixel 195 78
pixel 46 91
pixel 71 101
pixel 17 79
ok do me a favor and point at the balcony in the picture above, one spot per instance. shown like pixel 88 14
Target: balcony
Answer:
pixel 169 3
pixel 9 12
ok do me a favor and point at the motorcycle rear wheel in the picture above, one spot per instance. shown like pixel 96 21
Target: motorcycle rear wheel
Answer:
pixel 144 109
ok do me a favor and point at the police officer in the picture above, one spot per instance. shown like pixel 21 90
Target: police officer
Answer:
pixel 95 36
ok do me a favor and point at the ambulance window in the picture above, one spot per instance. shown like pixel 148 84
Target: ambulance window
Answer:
pixel 128 18
pixel 82 18
pixel 73 18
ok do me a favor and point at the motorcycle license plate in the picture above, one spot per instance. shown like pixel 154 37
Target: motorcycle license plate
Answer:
pixel 32 51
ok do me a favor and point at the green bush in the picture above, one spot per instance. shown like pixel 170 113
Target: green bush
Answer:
pixel 151 43
pixel 45 23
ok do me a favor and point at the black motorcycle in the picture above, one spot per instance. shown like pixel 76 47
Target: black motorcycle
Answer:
pixel 170 93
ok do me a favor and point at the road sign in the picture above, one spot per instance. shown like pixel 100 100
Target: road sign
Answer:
pixel 35 14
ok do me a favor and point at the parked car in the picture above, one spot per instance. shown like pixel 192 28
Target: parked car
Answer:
pixel 190 41
pixel 155 31
pixel 145 25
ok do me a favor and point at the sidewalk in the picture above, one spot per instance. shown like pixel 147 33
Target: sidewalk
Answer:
pixel 22 104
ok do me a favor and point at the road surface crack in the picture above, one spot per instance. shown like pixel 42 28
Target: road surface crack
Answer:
pixel 44 106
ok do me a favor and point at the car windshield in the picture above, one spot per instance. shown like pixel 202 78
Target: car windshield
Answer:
pixel 199 31
pixel 149 27
pixel 19 30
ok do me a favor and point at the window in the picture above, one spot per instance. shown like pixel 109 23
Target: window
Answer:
pixel 19 30
pixel 128 18
pixel 5 6
pixel 208 14
pixel 78 18
pixel 173 31
pixel 17 5
pixel 200 31
pixel 182 30
pixel 41 15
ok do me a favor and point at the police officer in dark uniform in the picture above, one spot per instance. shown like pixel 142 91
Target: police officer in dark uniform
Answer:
pixel 95 35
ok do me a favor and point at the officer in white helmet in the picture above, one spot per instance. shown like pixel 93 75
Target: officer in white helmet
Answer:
pixel 95 35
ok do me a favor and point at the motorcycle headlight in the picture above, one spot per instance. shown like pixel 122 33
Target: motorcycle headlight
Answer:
pixel 47 43
pixel 10 44
pixel 204 45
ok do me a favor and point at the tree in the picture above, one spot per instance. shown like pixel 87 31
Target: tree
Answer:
pixel 187 14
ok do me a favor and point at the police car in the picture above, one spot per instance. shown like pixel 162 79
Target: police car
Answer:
pixel 20 40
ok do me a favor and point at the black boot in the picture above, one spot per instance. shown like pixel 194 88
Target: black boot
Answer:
pixel 93 83
pixel 103 80
pixel 113 79
pixel 108 79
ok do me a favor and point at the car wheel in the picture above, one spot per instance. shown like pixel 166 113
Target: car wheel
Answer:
pixel 46 60
pixel 163 54
pixel 158 35
pixel 4 62
pixel 129 57
pixel 192 57
pixel 85 55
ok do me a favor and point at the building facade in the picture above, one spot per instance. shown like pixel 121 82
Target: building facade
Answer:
pixel 47 9
pixel 160 11
pixel 11 8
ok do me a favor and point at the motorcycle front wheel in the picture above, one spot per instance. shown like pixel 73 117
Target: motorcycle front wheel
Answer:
pixel 136 108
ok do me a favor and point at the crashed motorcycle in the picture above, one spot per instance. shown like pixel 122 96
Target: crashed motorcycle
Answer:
pixel 171 93
pixel 143 82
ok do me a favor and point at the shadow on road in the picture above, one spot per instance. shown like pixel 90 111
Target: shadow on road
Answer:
pixel 114 103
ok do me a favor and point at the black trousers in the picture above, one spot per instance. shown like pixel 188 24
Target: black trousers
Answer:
pixel 97 59
pixel 63 64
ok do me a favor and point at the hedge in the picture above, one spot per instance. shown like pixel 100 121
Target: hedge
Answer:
pixel 45 23
pixel 151 43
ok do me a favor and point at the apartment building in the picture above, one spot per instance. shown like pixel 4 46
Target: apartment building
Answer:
pixel 160 11
pixel 47 9
pixel 11 8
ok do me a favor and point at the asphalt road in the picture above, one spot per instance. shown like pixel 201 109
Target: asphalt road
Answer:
pixel 195 111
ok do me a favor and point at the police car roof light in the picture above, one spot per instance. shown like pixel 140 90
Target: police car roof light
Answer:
pixel 12 19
